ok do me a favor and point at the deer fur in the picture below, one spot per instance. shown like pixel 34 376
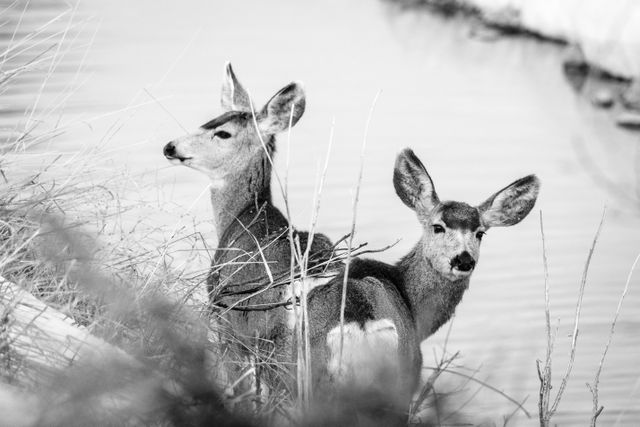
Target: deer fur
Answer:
pixel 391 309
pixel 234 151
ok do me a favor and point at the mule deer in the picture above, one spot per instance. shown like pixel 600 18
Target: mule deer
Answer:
pixel 391 309
pixel 234 150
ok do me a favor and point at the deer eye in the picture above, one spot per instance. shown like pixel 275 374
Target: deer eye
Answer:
pixel 222 134
pixel 480 234
pixel 437 228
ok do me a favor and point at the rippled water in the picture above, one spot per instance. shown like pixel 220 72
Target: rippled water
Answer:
pixel 478 114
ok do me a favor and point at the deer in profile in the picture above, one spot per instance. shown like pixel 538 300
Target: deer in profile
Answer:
pixel 391 309
pixel 234 150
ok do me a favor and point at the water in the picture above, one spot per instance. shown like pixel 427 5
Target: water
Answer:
pixel 478 114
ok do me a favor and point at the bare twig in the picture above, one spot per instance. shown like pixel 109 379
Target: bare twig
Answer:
pixel 546 412
pixel 597 409
pixel 428 386
pixel 343 301
pixel 574 339
pixel 507 418
pixel 544 374
pixel 488 386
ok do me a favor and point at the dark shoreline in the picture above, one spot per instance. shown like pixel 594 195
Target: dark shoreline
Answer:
pixel 607 88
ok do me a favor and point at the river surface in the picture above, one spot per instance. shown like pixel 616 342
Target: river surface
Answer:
pixel 478 114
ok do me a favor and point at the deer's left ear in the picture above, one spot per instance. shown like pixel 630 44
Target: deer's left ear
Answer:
pixel 510 205
pixel 286 106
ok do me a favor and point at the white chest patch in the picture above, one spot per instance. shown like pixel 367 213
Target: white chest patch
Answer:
pixel 369 355
pixel 217 183
pixel 309 284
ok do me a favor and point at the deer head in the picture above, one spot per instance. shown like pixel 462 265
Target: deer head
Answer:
pixel 452 231
pixel 238 137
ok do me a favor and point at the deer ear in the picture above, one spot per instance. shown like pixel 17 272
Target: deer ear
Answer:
pixel 510 205
pixel 277 113
pixel 234 96
pixel 412 182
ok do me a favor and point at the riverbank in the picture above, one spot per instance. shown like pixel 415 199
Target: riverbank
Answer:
pixel 608 33
pixel 601 42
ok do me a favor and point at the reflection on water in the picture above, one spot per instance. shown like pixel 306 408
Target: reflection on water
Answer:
pixel 478 114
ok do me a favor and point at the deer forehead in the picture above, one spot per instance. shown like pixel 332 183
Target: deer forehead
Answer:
pixel 458 216
pixel 237 118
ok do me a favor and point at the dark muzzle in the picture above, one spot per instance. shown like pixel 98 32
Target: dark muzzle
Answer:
pixel 463 262
pixel 169 150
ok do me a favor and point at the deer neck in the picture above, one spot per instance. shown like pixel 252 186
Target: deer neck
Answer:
pixel 432 298
pixel 232 194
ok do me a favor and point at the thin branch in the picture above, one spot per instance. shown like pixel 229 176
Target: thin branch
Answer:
pixel 343 301
pixel 514 412
pixel 597 410
pixel 544 374
pixel 165 109
pixel 574 339
pixel 487 385
pixel 428 386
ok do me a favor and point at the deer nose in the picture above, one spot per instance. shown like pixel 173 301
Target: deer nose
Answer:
pixel 463 262
pixel 169 150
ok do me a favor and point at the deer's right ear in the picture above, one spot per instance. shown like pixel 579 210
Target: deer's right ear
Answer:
pixel 412 182
pixel 234 96
pixel 277 114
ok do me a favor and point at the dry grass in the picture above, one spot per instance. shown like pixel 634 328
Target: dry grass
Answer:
pixel 68 237
pixel 80 244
